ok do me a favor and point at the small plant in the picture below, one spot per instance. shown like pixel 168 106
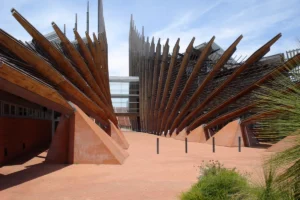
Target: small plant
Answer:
pixel 217 183
pixel 281 99
pixel 270 189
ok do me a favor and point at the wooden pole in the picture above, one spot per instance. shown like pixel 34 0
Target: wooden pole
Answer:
pixel 183 65
pixel 203 56
pixel 224 58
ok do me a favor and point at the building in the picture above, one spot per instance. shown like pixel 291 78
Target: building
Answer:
pixel 55 94
pixel 201 91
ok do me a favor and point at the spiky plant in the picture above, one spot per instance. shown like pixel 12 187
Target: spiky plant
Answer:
pixel 280 101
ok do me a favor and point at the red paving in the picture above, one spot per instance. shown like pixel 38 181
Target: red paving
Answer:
pixel 283 144
pixel 144 175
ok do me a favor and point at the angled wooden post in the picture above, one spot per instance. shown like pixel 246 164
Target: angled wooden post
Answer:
pixel 224 58
pixel 47 71
pixel 164 99
pixel 250 61
pixel 160 85
pixel 177 82
pixel 203 56
pixel 289 63
pixel 154 84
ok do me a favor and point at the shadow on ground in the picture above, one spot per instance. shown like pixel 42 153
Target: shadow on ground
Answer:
pixel 29 173
pixel 20 160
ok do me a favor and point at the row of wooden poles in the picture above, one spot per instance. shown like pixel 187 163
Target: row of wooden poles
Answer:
pixel 82 78
pixel 160 109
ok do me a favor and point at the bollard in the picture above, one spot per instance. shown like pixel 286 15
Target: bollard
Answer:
pixel 157 145
pixel 240 149
pixel 186 145
pixel 213 144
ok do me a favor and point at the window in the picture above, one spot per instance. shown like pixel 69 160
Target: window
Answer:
pixel 12 109
pixel 25 112
pixel 36 113
pixel 20 111
pixel 6 109
pixel 30 112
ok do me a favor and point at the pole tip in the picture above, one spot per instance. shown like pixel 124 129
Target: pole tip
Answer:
pixel 13 10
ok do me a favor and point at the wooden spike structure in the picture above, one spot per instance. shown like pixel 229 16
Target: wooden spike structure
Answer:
pixel 70 78
pixel 202 87
pixel 224 58
pixel 203 56
pixel 180 73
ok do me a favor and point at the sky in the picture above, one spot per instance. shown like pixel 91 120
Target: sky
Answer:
pixel 257 20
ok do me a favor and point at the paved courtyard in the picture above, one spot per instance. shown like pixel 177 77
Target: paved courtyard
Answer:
pixel 144 175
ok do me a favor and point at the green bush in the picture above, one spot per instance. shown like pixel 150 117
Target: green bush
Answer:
pixel 281 99
pixel 270 190
pixel 217 183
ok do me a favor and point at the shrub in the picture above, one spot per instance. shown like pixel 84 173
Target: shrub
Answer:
pixel 270 190
pixel 217 183
pixel 281 98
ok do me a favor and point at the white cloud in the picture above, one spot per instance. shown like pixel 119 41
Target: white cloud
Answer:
pixel 41 13
pixel 257 20
pixel 118 60
pixel 254 22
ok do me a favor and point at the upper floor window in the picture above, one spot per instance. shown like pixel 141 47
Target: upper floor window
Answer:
pixel 8 109
pixel 12 109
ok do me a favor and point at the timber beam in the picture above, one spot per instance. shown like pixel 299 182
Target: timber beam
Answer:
pixel 230 115
pixel 150 81
pixel 258 116
pixel 91 47
pixel 256 56
pixel 80 63
pixel 203 56
pixel 154 84
pixel 100 61
pixel 224 58
pixel 63 63
pixel 90 62
pixel 20 84
pixel 269 113
pixel 146 89
pixel 48 72
pixel 164 99
pixel 182 68
pixel 160 84
pixel 289 64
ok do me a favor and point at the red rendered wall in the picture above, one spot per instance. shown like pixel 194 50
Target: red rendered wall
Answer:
pixel 34 133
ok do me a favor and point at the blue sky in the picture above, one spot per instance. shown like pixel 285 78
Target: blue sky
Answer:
pixel 257 20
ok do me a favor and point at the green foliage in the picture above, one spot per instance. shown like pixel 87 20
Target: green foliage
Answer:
pixel 270 190
pixel 217 183
pixel 281 98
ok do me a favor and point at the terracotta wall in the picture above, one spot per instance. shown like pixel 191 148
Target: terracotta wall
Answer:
pixel 249 136
pixel 20 135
